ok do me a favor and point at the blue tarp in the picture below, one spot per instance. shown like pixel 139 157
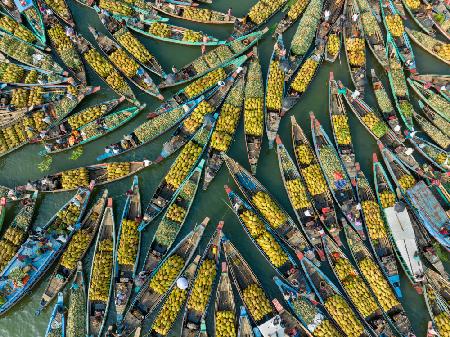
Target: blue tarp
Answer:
pixel 23 5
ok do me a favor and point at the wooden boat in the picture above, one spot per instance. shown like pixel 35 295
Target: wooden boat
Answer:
pixel 328 23
pixel 294 10
pixel 300 200
pixel 434 100
pixel 295 91
pixel 98 173
pixel 232 108
pixel 87 50
pixel 286 230
pixel 211 60
pixel 401 43
pixel 83 117
pixel 428 43
pixel 340 127
pixel 127 65
pixel 192 13
pixel 437 120
pixel 93 130
pixel 76 314
pixel 172 33
pixel 439 281
pixel 245 328
pixel 437 156
pixel 12 195
pixel 254 114
pixel 131 44
pixel 440 16
pixel 355 288
pixel 289 322
pixel 19 277
pixel 288 270
pixel 124 270
pixel 258 15
pixel 33 16
pixel 61 10
pixel 382 290
pixel 57 323
pixel 27 54
pixel 194 320
pixel 147 298
pixel 401 230
pixel 334 33
pixel 164 192
pixel 11 25
pixel 122 9
pixel 336 176
pixel 67 265
pixel 20 225
pixel 102 270
pixel 378 232
pixel 11 8
pixel 224 301
pixel 64 47
pixel 437 309
pixel 354 37
pixel 437 82
pixel 161 244
pixel 309 169
pixel 275 90
pixel 397 82
pixel 329 296
pixel 421 16
pixel 372 32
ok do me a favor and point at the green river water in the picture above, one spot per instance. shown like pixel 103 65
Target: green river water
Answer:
pixel 21 165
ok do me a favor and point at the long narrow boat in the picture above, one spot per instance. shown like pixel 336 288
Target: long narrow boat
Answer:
pixel 356 289
pixel 104 69
pixel 225 130
pixel 201 296
pixel 192 13
pixel 245 328
pixel 433 99
pixel 173 220
pixel 126 258
pixel 122 9
pixel 300 200
pixel 340 127
pixel 27 267
pixel 215 58
pixel 372 32
pixel 401 230
pixel 289 323
pixel 377 282
pixel 225 311
pixel 310 314
pixel 76 314
pixel 11 8
pixel 277 218
pixel 11 194
pixel 437 156
pixel 436 119
pixel 433 46
pixel 254 112
pixel 33 16
pixel 57 323
pixel 437 82
pixel 17 231
pixel 377 232
pixel 159 280
pixel 336 176
pixel 354 46
pixel 64 47
pixel 437 309
pixel 394 25
pixel 131 44
pixel 334 302
pixel 167 32
pixel 399 88
pixel 101 275
pixel 309 169
pixel 261 311
pixel 77 120
pixel 126 64
pixel 258 15
pixel 421 15
pixel 71 179
pixel 28 54
pixel 439 281
pixel 183 165
pixel 332 13
pixel 440 15
pixel 61 9
pixel 260 233
pixel 11 26
pixel 93 130
pixel 275 90
pixel 334 42
pixel 294 10
pixel 75 252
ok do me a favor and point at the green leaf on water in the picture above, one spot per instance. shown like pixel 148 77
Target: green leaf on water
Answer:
pixel 45 164
pixel 77 153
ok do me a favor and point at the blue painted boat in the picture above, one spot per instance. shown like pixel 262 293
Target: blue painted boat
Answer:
pixel 40 251
pixel 57 324
pixel 245 326
pixel 76 314
pixel 31 12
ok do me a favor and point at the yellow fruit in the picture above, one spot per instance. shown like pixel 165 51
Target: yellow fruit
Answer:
pixel 269 209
